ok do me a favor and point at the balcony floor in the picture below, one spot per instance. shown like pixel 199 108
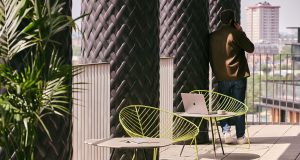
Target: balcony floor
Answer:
pixel 268 142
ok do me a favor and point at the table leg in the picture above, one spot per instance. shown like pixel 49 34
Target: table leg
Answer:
pixel 145 154
pixel 157 154
pixel 112 153
pixel 182 148
pixel 213 136
pixel 219 136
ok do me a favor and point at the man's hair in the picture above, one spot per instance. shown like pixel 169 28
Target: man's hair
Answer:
pixel 227 15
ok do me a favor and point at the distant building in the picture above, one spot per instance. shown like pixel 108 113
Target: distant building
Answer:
pixel 281 101
pixel 263 23
pixel 266 48
pixel 295 47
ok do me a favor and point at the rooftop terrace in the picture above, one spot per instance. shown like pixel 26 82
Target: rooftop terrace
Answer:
pixel 268 142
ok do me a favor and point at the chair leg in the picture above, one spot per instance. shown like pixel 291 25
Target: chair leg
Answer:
pixel 200 123
pixel 135 153
pixel 133 157
pixel 154 154
pixel 156 157
pixel 197 154
pixel 212 133
pixel 112 153
pixel 219 137
pixel 182 148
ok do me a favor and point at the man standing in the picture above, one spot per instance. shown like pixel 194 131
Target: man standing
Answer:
pixel 230 67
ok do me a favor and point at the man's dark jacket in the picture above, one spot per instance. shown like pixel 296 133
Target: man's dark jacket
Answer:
pixel 227 53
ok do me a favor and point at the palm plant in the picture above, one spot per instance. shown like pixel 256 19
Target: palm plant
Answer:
pixel 40 86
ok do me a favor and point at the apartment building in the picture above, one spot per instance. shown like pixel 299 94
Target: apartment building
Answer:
pixel 262 23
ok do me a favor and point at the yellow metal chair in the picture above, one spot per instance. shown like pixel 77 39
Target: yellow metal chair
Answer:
pixel 149 122
pixel 216 101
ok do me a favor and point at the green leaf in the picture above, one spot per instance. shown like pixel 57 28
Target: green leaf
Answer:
pixel 18 89
pixel 43 125
pixel 25 121
pixel 11 40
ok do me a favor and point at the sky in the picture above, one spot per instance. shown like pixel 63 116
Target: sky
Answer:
pixel 76 8
pixel 288 13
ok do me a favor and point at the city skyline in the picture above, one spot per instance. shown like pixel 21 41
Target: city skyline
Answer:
pixel 288 8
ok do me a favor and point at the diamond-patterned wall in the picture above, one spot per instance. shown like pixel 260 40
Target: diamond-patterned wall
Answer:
pixel 216 6
pixel 184 36
pixel 125 34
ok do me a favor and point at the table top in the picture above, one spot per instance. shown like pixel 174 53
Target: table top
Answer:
pixel 127 142
pixel 185 114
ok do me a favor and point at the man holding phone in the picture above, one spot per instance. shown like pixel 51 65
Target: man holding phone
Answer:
pixel 229 64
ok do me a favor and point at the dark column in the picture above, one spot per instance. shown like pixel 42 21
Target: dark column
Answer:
pixel 125 34
pixel 184 36
pixel 216 6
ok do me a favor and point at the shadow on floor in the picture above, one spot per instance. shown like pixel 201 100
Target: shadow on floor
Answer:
pixel 231 156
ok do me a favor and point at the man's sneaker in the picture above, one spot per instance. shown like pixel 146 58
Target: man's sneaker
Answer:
pixel 228 139
pixel 242 140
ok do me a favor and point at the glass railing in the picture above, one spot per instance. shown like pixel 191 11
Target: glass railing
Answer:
pixel 273 90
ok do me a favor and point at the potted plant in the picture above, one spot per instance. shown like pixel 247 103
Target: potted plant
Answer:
pixel 34 76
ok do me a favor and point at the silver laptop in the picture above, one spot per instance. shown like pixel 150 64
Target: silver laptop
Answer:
pixel 194 103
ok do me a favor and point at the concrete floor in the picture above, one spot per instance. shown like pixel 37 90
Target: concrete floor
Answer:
pixel 268 142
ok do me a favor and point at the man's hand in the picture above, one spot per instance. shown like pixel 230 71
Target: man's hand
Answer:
pixel 238 26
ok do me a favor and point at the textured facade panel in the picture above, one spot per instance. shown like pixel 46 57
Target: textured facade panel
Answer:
pixel 184 35
pixel 216 6
pixel 90 102
pixel 125 34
